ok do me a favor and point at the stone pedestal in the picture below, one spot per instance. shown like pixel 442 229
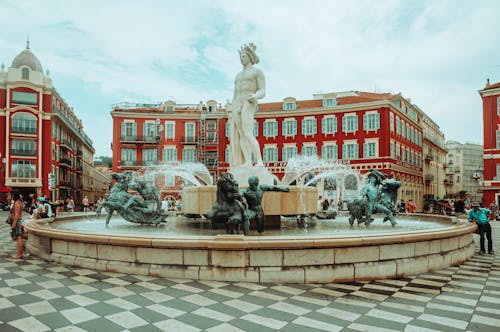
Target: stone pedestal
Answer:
pixel 241 174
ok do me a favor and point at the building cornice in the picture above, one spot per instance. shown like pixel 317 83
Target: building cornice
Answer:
pixel 489 92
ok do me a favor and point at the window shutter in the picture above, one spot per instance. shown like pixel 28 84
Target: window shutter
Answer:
pixel 344 151
pixel 355 123
pixel 365 121
pixel 377 119
pixel 356 151
pixel 344 124
pixel 323 125
pixel 365 150
pixel 304 129
pixel 283 128
pixel 315 126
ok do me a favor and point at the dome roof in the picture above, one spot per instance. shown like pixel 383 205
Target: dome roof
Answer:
pixel 27 58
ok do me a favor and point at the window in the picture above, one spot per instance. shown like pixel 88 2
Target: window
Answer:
pixel 350 151
pixel 497 177
pixel 170 154
pixel 189 155
pixel 289 106
pixel 255 128
pixel 329 102
pixel 393 150
pixel 228 154
pixel 329 152
pixel 129 131
pixel 289 152
pixel 398 126
pixel 228 129
pixel 23 169
pixel 408 133
pixel 150 157
pixel 23 147
pixel 190 131
pixel 350 123
pixel 391 122
pixel 169 129
pixel 403 129
pixel 149 131
pixel 25 73
pixel 309 151
pixel 329 125
pixel 309 126
pixel 129 157
pixel 498 105
pixel 24 123
pixel 169 180
pixel 271 128
pixel 170 108
pixel 289 127
pixel 26 98
pixel 371 121
pixel 270 154
pixel 370 149
pixel 498 139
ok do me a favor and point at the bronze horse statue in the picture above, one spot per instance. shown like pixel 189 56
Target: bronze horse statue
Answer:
pixel 143 209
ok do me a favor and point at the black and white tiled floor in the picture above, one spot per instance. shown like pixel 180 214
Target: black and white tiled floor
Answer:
pixel 36 295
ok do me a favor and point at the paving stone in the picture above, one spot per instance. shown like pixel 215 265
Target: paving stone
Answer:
pixel 458 298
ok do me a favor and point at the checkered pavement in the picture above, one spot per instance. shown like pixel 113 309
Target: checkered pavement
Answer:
pixel 37 295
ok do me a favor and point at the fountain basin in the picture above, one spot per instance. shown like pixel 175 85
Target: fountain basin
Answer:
pixel 300 258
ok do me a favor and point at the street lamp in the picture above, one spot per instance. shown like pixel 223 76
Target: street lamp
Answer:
pixel 158 131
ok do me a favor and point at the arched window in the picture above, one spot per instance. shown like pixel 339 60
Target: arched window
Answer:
pixel 24 123
pixel 25 73
pixel 23 169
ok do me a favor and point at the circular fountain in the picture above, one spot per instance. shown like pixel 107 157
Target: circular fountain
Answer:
pixel 331 251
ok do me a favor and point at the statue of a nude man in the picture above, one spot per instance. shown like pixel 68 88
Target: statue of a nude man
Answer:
pixel 249 86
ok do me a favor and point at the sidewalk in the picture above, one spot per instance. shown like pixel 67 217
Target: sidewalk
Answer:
pixel 36 295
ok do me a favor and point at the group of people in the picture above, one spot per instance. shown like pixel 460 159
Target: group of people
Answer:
pixel 407 207
pixel 169 203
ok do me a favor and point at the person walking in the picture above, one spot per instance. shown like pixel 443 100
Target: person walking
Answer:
pixel 86 204
pixel 17 225
pixel 480 217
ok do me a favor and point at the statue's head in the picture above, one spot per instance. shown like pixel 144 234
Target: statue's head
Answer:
pixel 253 181
pixel 249 51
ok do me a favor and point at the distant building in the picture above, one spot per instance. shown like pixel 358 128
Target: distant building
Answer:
pixel 41 137
pixel 434 159
pixel 369 130
pixel 464 169
pixel 490 96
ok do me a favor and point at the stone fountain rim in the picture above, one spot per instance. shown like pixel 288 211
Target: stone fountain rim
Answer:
pixel 455 227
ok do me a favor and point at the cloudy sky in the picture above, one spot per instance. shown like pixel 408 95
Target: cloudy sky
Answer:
pixel 438 53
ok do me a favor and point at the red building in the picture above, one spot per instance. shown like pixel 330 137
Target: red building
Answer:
pixel 370 130
pixel 41 137
pixel 490 96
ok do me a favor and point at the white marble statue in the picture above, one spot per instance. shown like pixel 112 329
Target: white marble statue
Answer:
pixel 249 86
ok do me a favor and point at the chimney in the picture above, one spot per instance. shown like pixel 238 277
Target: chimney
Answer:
pixel 487 82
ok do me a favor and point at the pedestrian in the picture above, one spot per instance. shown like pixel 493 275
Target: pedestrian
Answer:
pixel 326 204
pixel 70 204
pixel 60 205
pixel 494 211
pixel 17 229
pixel 86 204
pixel 480 217
pixel 410 206
pixel 459 206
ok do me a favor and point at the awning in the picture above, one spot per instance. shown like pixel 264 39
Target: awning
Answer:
pixel 5 189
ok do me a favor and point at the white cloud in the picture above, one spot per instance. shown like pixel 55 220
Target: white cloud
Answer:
pixel 438 53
